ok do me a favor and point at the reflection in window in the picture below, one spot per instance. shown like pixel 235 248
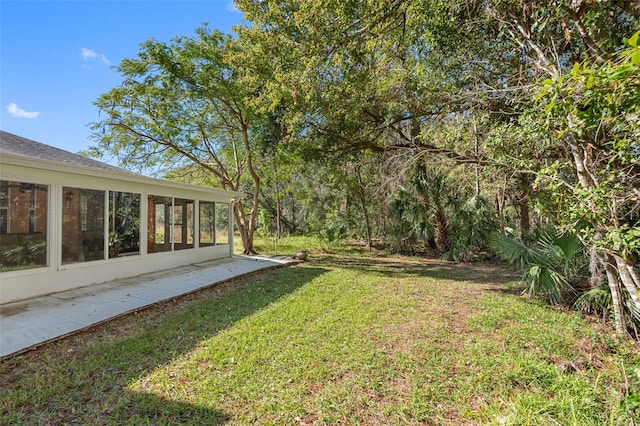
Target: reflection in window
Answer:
pixel 158 223
pixel 177 223
pixel 23 225
pixel 4 206
pixel 82 225
pixel 124 224
pixel 161 221
pixel 207 223
pixel 182 224
pixel 222 223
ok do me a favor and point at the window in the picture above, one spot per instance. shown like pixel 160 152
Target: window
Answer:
pixel 33 218
pixel 82 225
pixel 182 224
pixel 162 221
pixel 222 223
pixel 23 225
pixel 4 207
pixel 158 223
pixel 207 223
pixel 177 223
pixel 124 224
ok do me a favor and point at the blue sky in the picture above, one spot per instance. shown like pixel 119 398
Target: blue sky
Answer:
pixel 57 57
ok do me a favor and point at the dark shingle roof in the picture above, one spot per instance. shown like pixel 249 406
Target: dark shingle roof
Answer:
pixel 17 145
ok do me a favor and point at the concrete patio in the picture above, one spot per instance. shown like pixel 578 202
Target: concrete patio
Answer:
pixel 29 323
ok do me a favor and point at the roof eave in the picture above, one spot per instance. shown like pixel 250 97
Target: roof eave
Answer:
pixel 42 164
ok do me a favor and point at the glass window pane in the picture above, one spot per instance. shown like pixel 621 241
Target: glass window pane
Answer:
pixel 124 224
pixel 4 221
pixel 182 224
pixel 4 206
pixel 23 225
pixel 158 223
pixel 160 215
pixel 190 222
pixel 222 223
pixel 207 223
pixel 82 225
pixel 177 223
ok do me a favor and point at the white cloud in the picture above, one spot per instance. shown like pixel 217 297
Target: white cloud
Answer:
pixel 88 54
pixel 18 112
pixel 231 7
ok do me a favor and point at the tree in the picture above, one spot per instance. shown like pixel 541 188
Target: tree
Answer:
pixel 387 76
pixel 434 206
pixel 584 179
pixel 427 204
pixel 181 106
pixel 369 80
pixel 375 75
pixel 592 115
pixel 395 75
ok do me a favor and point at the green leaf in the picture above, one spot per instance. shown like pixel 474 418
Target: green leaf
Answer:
pixel 549 107
pixel 633 40
pixel 556 252
pixel 576 69
pixel 635 58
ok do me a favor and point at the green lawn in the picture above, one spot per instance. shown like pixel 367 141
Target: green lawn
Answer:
pixel 345 338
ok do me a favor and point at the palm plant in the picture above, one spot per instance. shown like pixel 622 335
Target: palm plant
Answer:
pixel 425 208
pixel 474 224
pixel 29 252
pixel 598 301
pixel 551 265
pixel 409 218
pixel 332 234
pixel 437 198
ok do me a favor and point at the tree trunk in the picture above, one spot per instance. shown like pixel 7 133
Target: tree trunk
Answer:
pixel 441 232
pixel 500 201
pixel 525 218
pixel 634 273
pixel 523 202
pixel 616 294
pixel 477 153
pixel 627 279
pixel 293 215
pixel 278 208
pixel 365 213
pixel 247 240
pixel 595 268
pixel 278 220
pixel 243 229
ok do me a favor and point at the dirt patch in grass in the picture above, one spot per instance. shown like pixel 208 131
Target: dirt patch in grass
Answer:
pixel 436 329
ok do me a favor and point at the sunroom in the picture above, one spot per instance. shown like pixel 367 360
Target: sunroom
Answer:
pixel 67 221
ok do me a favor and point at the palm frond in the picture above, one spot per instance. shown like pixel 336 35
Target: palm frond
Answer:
pixel 510 249
pixel 595 300
pixel 542 281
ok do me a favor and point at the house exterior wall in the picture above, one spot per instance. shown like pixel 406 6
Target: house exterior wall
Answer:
pixel 19 219
pixel 62 182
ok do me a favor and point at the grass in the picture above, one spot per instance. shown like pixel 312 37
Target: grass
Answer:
pixel 346 338
pixel 288 246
